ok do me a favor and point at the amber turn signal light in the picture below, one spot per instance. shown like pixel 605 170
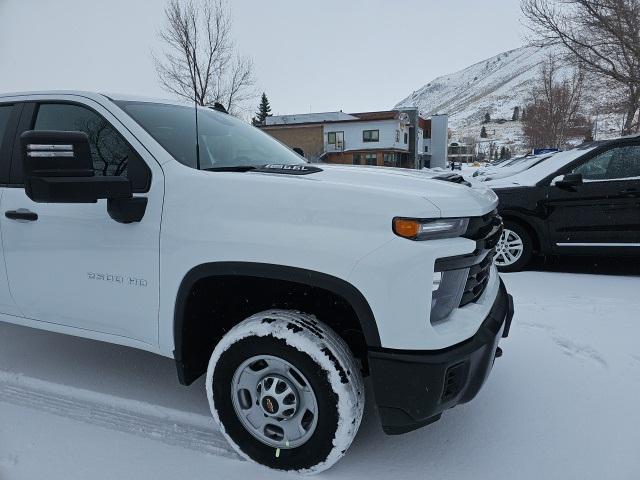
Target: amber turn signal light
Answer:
pixel 406 228
pixel 429 229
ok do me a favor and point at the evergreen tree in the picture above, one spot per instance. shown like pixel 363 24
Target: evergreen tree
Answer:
pixel 516 114
pixel 503 153
pixel 264 111
pixel 483 132
pixel 487 118
pixel 523 115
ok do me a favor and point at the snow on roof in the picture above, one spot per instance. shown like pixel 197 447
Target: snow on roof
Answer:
pixel 309 118
pixel 384 115
pixel 327 117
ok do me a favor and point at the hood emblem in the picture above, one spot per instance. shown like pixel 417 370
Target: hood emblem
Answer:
pixel 304 169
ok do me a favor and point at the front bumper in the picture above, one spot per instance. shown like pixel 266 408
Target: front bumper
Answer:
pixel 413 388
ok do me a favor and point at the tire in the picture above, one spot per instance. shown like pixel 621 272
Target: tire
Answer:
pixel 516 258
pixel 313 363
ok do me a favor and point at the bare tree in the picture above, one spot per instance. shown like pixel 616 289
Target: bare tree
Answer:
pixel 200 63
pixel 554 112
pixel 603 36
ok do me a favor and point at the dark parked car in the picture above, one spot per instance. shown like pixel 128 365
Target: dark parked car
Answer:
pixel 581 201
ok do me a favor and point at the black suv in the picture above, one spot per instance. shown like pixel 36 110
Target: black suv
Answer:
pixel 581 201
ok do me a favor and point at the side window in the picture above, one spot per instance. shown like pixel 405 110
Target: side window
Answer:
pixel 614 164
pixel 112 155
pixel 5 140
pixel 5 113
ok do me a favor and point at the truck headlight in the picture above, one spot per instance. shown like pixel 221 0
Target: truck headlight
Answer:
pixel 429 229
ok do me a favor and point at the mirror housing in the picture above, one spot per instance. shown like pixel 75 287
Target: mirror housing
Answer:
pixel 58 168
pixel 569 181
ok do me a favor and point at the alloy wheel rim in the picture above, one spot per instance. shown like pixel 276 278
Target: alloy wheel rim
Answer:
pixel 509 248
pixel 274 402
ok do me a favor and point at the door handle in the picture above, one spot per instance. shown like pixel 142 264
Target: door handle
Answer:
pixel 21 214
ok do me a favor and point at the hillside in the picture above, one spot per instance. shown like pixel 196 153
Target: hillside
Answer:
pixel 495 86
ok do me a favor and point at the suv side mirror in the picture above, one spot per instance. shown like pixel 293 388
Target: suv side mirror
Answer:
pixel 569 181
pixel 58 169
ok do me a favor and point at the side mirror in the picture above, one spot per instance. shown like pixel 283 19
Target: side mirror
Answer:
pixel 58 169
pixel 569 181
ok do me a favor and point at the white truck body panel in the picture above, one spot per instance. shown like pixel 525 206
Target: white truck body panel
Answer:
pixel 336 222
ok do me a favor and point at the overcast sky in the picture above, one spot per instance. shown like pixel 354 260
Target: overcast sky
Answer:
pixel 350 55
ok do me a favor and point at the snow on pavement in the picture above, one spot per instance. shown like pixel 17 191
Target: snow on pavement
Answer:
pixel 561 403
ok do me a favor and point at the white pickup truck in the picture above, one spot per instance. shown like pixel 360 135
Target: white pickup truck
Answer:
pixel 193 235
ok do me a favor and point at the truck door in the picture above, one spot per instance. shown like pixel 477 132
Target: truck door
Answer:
pixel 8 117
pixel 72 264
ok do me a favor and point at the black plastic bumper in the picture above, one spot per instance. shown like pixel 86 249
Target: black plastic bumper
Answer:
pixel 413 388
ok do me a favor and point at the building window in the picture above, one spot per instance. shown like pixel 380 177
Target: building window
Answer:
pixel 336 139
pixel 371 135
pixel 391 160
pixel 426 148
pixel 356 159
pixel 372 158
pixel 406 138
pixel 397 135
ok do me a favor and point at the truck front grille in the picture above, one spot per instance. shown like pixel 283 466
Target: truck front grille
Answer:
pixel 477 280
pixel 486 231
pixel 467 276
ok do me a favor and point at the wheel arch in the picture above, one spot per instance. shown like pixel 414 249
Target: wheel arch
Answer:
pixel 191 365
pixel 527 225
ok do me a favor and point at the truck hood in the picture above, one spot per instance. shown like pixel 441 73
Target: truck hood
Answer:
pixel 451 199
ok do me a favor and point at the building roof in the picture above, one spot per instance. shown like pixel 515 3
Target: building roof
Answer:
pixel 329 117
pixel 322 117
pixel 383 115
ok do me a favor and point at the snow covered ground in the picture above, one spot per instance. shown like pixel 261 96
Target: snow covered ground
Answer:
pixel 562 403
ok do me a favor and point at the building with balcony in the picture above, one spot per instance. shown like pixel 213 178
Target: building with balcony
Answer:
pixel 461 152
pixel 391 138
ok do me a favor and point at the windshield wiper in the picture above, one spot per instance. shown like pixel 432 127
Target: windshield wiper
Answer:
pixel 234 168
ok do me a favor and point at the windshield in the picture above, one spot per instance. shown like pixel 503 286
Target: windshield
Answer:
pixel 527 162
pixel 552 164
pixel 515 161
pixel 225 141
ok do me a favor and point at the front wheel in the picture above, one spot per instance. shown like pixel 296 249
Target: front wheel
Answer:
pixel 286 391
pixel 514 249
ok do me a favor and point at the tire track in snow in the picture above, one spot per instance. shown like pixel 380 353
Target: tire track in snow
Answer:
pixel 574 349
pixel 169 426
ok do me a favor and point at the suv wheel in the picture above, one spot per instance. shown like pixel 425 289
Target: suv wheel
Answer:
pixel 286 391
pixel 514 249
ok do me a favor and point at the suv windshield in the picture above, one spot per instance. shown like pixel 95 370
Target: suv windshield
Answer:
pixel 225 142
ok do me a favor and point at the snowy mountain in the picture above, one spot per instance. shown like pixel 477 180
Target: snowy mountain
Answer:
pixel 495 85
